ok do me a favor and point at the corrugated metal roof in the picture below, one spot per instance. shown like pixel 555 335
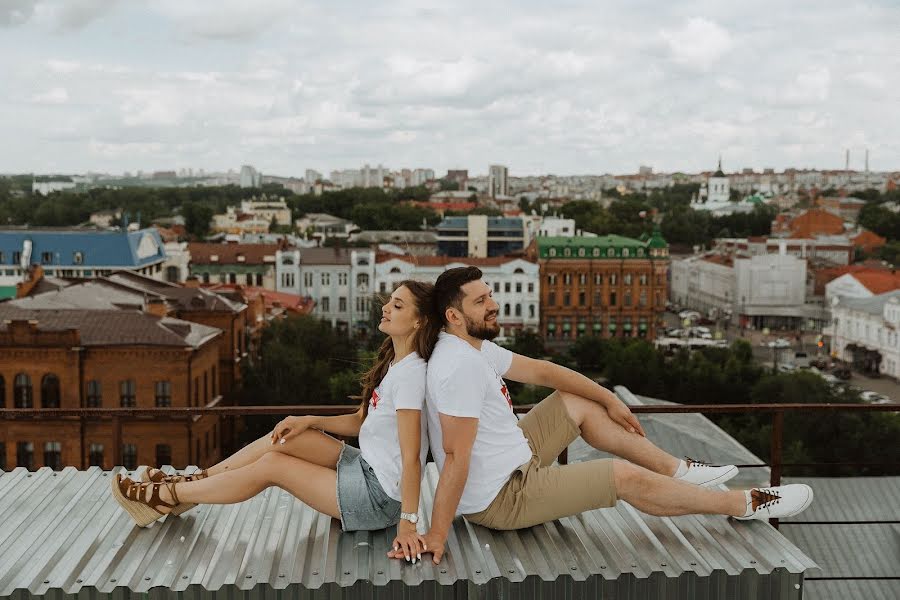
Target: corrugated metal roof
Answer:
pixel 63 534
pixel 851 499
pixel 851 590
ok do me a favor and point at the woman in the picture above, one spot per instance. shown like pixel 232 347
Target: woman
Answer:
pixel 371 488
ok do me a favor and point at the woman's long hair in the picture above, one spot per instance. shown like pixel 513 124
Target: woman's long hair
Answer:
pixel 424 339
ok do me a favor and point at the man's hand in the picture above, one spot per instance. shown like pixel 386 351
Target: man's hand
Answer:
pixel 434 543
pixel 620 413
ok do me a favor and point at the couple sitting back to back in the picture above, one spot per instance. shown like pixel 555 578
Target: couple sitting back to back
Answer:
pixel 495 469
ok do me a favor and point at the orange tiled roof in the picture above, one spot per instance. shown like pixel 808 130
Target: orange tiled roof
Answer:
pixel 878 282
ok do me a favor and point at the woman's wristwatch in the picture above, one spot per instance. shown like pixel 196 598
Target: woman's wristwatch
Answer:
pixel 411 517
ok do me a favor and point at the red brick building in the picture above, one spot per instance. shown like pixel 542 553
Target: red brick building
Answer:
pixel 609 286
pixel 74 358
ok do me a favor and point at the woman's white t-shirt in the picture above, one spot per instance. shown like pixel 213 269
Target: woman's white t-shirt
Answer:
pixel 403 387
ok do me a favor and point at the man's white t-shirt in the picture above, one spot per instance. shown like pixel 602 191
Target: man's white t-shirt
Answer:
pixel 465 382
pixel 403 387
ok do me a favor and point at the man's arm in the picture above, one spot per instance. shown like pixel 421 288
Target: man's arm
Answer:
pixel 542 372
pixel 459 437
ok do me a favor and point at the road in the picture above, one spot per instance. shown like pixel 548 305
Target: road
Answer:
pixel 807 343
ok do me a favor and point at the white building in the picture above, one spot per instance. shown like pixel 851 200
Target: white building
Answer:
pixel 864 332
pixel 515 282
pixel 758 291
pixel 557 227
pixel 421 176
pixel 339 280
pixel 250 177
pixel 48 187
pixel 312 176
pixel 498 181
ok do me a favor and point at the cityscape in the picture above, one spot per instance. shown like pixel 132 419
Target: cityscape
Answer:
pixel 166 279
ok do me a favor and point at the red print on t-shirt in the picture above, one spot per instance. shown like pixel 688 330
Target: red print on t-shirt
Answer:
pixel 375 399
pixel 505 392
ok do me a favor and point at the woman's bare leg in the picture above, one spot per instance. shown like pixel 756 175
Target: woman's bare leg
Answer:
pixel 312 446
pixel 312 484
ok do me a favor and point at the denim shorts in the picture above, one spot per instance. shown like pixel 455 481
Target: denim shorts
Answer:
pixel 363 503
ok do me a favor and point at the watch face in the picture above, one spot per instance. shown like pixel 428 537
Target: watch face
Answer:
pixel 411 517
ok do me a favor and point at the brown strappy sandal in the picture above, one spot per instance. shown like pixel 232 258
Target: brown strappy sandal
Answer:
pixel 130 495
pixel 158 476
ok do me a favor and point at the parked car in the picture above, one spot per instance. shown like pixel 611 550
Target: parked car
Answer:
pixel 841 372
pixel 874 397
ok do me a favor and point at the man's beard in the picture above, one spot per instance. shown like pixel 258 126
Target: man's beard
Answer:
pixel 482 331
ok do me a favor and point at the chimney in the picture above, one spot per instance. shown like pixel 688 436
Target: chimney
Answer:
pixel 156 306
pixel 34 275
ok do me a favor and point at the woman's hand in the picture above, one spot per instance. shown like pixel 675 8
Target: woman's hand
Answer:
pixel 621 414
pixel 408 544
pixel 290 427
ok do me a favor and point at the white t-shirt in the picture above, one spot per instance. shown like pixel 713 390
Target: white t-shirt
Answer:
pixel 403 387
pixel 463 382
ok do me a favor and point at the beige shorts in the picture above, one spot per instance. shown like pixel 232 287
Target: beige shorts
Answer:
pixel 540 491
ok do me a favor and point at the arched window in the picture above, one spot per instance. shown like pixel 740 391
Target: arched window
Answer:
pixel 50 391
pixel 23 395
pixel 531 311
pixel 395 269
pixel 506 310
pixel 362 279
pixel 518 310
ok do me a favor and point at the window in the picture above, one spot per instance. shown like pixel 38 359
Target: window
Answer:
pixel 2 257
pixel 382 287
pixel 610 251
pixel 285 260
pixel 163 393
pixel 598 279
pixel 567 299
pixel 94 397
pixel 362 279
pixel 552 252
pixel 518 287
pixel 642 279
pixel 612 298
pixel 50 391
pixel 627 297
pixel 567 252
pixel 53 455
pixel 530 288
pixel 496 287
pixel 506 287
pixel 551 279
pixel 597 299
pixel 25 455
pixel 582 278
pixel 626 279
pixel 551 299
pixel 127 394
pixel 581 252
pixel 232 278
pixel 581 299
pixel 129 456
pixel 23 395
pixel 567 278
pixel 625 252
pixel 518 312
pixel 612 279
pixel 2 456
pixel 342 279
pixel 172 274
pixel 46 258
pixel 342 304
pixel 642 298
pixel 206 278
pixel 77 258
pixel 287 280
pixel 248 279
pixel 531 311
pixel 163 455
pixel 95 455
pixel 326 304
pixel 325 278
pixel 595 252
pixel 506 310
pixel 2 392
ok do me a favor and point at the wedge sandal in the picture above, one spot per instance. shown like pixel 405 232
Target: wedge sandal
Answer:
pixel 130 496
pixel 158 476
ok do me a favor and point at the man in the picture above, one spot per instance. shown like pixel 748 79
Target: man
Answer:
pixel 498 471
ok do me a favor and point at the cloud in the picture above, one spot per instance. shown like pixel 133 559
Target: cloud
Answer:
pixel 224 19
pixel 698 44
pixel 15 12
pixel 57 95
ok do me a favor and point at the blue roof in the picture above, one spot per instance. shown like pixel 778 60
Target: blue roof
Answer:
pixel 97 248
pixel 492 223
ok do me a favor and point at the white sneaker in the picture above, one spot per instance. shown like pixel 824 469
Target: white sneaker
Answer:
pixel 706 475
pixel 777 502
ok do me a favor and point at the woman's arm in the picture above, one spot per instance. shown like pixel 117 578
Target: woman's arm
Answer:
pixel 347 425
pixel 408 542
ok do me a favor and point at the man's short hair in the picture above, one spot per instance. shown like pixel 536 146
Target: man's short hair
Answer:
pixel 448 289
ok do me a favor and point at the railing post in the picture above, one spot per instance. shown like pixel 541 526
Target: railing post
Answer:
pixel 775 455
pixel 117 441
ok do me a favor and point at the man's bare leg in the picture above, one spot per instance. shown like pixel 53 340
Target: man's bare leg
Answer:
pixel 664 496
pixel 603 433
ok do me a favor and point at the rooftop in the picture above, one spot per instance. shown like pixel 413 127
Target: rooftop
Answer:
pixel 873 305
pixel 85 247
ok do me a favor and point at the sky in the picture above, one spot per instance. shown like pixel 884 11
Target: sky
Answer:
pixel 562 87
